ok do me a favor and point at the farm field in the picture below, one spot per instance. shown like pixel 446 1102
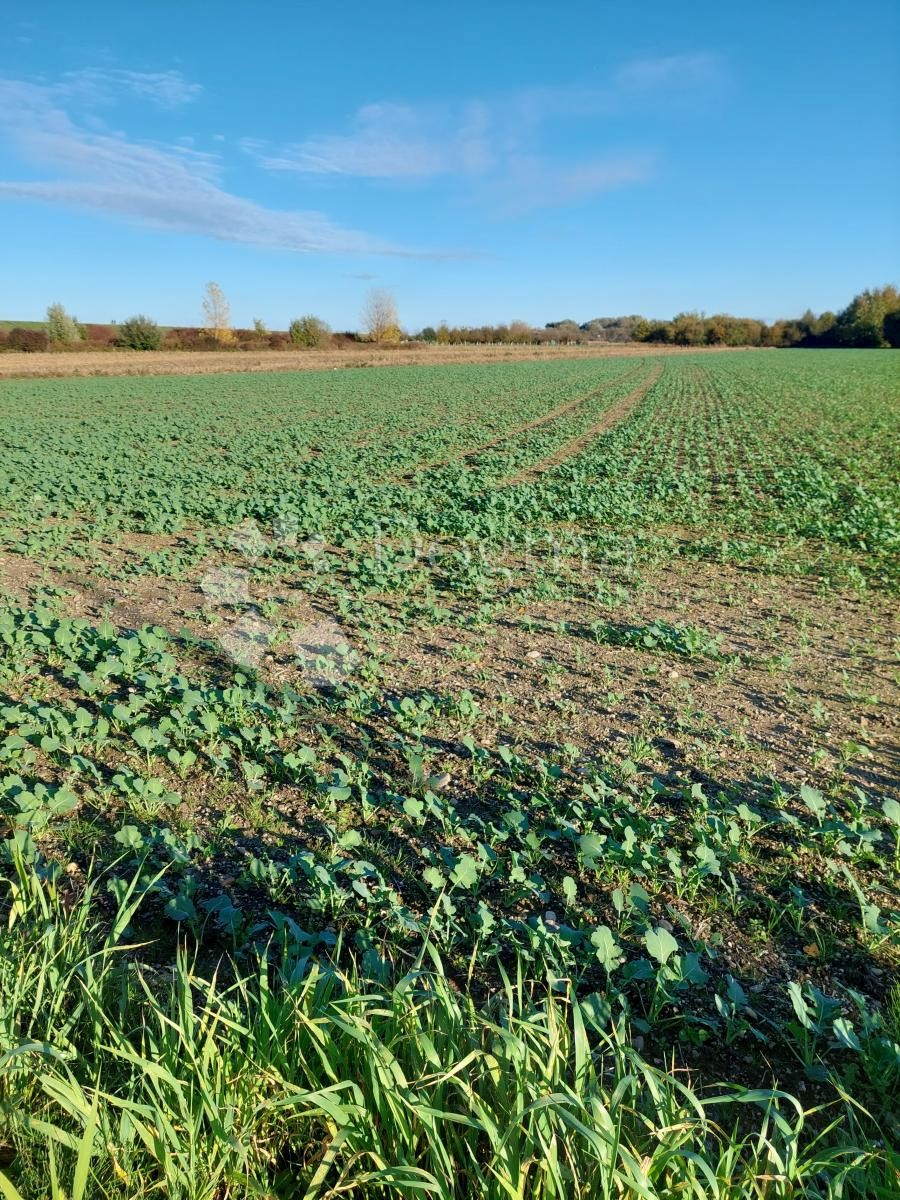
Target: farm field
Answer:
pixel 69 363
pixel 474 780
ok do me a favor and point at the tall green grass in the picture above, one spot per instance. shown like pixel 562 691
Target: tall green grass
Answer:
pixel 280 1076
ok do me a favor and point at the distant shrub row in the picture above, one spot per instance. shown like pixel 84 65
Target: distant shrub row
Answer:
pixel 140 333
pixel 24 339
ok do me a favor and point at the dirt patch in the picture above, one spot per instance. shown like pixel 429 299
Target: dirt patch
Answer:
pixel 804 688
pixel 51 364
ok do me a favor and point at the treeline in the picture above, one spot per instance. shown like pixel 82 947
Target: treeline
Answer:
pixel 871 319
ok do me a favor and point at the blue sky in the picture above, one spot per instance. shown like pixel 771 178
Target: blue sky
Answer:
pixel 484 161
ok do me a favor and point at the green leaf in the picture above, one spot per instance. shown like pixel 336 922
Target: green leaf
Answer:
pixel 596 1010
pixel 800 1008
pixel 414 808
pixel 180 908
pixel 813 801
pixel 433 876
pixel 607 949
pixel 130 836
pixel 483 920
pixel 660 944
pixel 845 1035
pixel 591 847
pixel 465 873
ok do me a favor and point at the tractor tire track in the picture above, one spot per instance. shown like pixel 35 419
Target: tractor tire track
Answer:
pixel 554 414
pixel 610 418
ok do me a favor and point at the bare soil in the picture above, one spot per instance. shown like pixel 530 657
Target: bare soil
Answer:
pixel 65 363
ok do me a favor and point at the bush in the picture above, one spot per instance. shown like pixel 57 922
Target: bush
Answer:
pixel 279 341
pixel 189 337
pixel 249 339
pixel 3 339
pixel 27 340
pixel 139 333
pixel 309 331
pixel 101 335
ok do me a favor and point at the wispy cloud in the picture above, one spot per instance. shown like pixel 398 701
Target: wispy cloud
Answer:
pixel 500 153
pixel 490 149
pixel 165 187
pixel 673 71
pixel 501 147
pixel 392 141
pixel 533 182
pixel 99 85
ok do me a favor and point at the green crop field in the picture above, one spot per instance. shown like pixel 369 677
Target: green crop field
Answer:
pixel 461 781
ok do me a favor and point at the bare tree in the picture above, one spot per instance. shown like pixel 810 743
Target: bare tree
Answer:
pixel 379 317
pixel 217 313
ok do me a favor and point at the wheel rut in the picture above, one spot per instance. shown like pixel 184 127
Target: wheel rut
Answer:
pixel 561 410
pixel 609 420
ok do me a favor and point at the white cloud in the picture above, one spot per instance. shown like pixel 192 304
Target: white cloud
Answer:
pixel 166 187
pixel 489 147
pixel 534 182
pixel 99 85
pixel 387 141
pixel 393 141
pixel 500 149
pixel 673 71
pixel 501 152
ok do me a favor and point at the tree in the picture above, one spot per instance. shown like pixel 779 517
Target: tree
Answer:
pixel 717 331
pixel 640 329
pixel 892 329
pixel 309 331
pixel 566 331
pixel 379 317
pixel 217 314
pixel 139 333
pixel 61 328
pixel 862 321
pixel 687 329
pixel 259 328
pixel 519 332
